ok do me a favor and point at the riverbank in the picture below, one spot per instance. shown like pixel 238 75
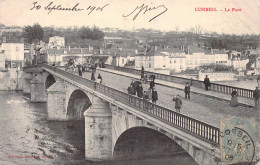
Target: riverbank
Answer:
pixel 9 80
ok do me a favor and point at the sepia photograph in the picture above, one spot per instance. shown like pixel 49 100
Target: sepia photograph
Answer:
pixel 113 82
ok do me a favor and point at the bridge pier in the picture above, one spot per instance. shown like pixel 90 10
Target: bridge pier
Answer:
pixel 56 101
pixel 98 130
pixel 38 93
pixel 26 85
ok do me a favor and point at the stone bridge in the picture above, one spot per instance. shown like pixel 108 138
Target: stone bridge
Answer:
pixel 115 122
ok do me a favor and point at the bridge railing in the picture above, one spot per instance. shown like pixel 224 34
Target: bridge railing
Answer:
pixel 196 83
pixel 192 126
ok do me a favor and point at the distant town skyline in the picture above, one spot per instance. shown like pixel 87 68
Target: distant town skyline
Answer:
pixel 178 15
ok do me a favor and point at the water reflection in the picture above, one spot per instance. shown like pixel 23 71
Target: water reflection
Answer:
pixel 28 138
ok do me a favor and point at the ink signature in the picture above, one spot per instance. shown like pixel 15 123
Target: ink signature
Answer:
pixel 145 8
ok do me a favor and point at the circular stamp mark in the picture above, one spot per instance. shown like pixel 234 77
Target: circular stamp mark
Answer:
pixel 237 146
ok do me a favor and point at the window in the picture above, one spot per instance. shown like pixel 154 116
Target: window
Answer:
pixel 150 65
pixel 17 48
pixel 123 61
pixel 175 60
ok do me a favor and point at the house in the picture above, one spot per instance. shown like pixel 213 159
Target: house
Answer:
pixel 198 56
pixel 220 57
pixel 14 54
pixel 177 60
pixel 239 64
pixel 152 59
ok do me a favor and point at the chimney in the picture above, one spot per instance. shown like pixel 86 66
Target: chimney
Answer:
pixel 101 51
pixel 80 50
pixel 136 51
pixel 155 48
pixel 211 50
pixel 69 48
pixel 4 39
pixel 188 49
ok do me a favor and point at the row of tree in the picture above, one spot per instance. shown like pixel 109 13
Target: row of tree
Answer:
pixel 37 33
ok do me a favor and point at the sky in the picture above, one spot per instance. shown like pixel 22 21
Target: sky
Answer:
pixel 180 14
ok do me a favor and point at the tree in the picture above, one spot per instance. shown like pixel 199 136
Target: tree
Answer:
pixel 85 33
pixel 33 33
pixel 97 34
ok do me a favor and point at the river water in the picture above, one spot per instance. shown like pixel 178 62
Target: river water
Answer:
pixel 28 138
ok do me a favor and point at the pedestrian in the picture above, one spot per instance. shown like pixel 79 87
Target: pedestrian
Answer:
pixel 256 95
pixel 178 103
pixel 145 97
pixel 131 90
pixel 234 100
pixel 79 70
pixel 187 91
pixel 149 94
pixel 93 76
pixel 154 95
pixel 99 79
pixel 139 91
pixel 152 84
pixel 258 81
pixel 207 83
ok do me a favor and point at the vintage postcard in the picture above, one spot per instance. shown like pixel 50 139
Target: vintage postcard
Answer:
pixel 129 82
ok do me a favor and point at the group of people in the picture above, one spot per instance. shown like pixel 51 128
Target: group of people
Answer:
pixel 136 89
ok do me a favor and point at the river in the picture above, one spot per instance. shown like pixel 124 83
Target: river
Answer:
pixel 28 138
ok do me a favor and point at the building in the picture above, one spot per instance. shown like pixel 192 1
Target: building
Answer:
pixel 220 57
pixel 177 60
pixel 239 64
pixel 56 41
pixel 14 54
pixel 199 56
pixel 152 59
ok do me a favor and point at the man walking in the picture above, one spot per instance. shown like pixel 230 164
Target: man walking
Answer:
pixel 206 82
pixel 187 91
pixel 178 103
pixel 256 95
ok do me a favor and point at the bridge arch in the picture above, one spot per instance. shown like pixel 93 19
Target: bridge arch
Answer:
pixel 50 80
pixel 140 142
pixel 78 102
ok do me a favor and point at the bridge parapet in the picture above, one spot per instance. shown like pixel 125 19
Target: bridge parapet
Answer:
pixel 247 93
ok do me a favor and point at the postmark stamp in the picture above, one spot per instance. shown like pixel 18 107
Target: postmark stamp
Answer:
pixel 237 140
